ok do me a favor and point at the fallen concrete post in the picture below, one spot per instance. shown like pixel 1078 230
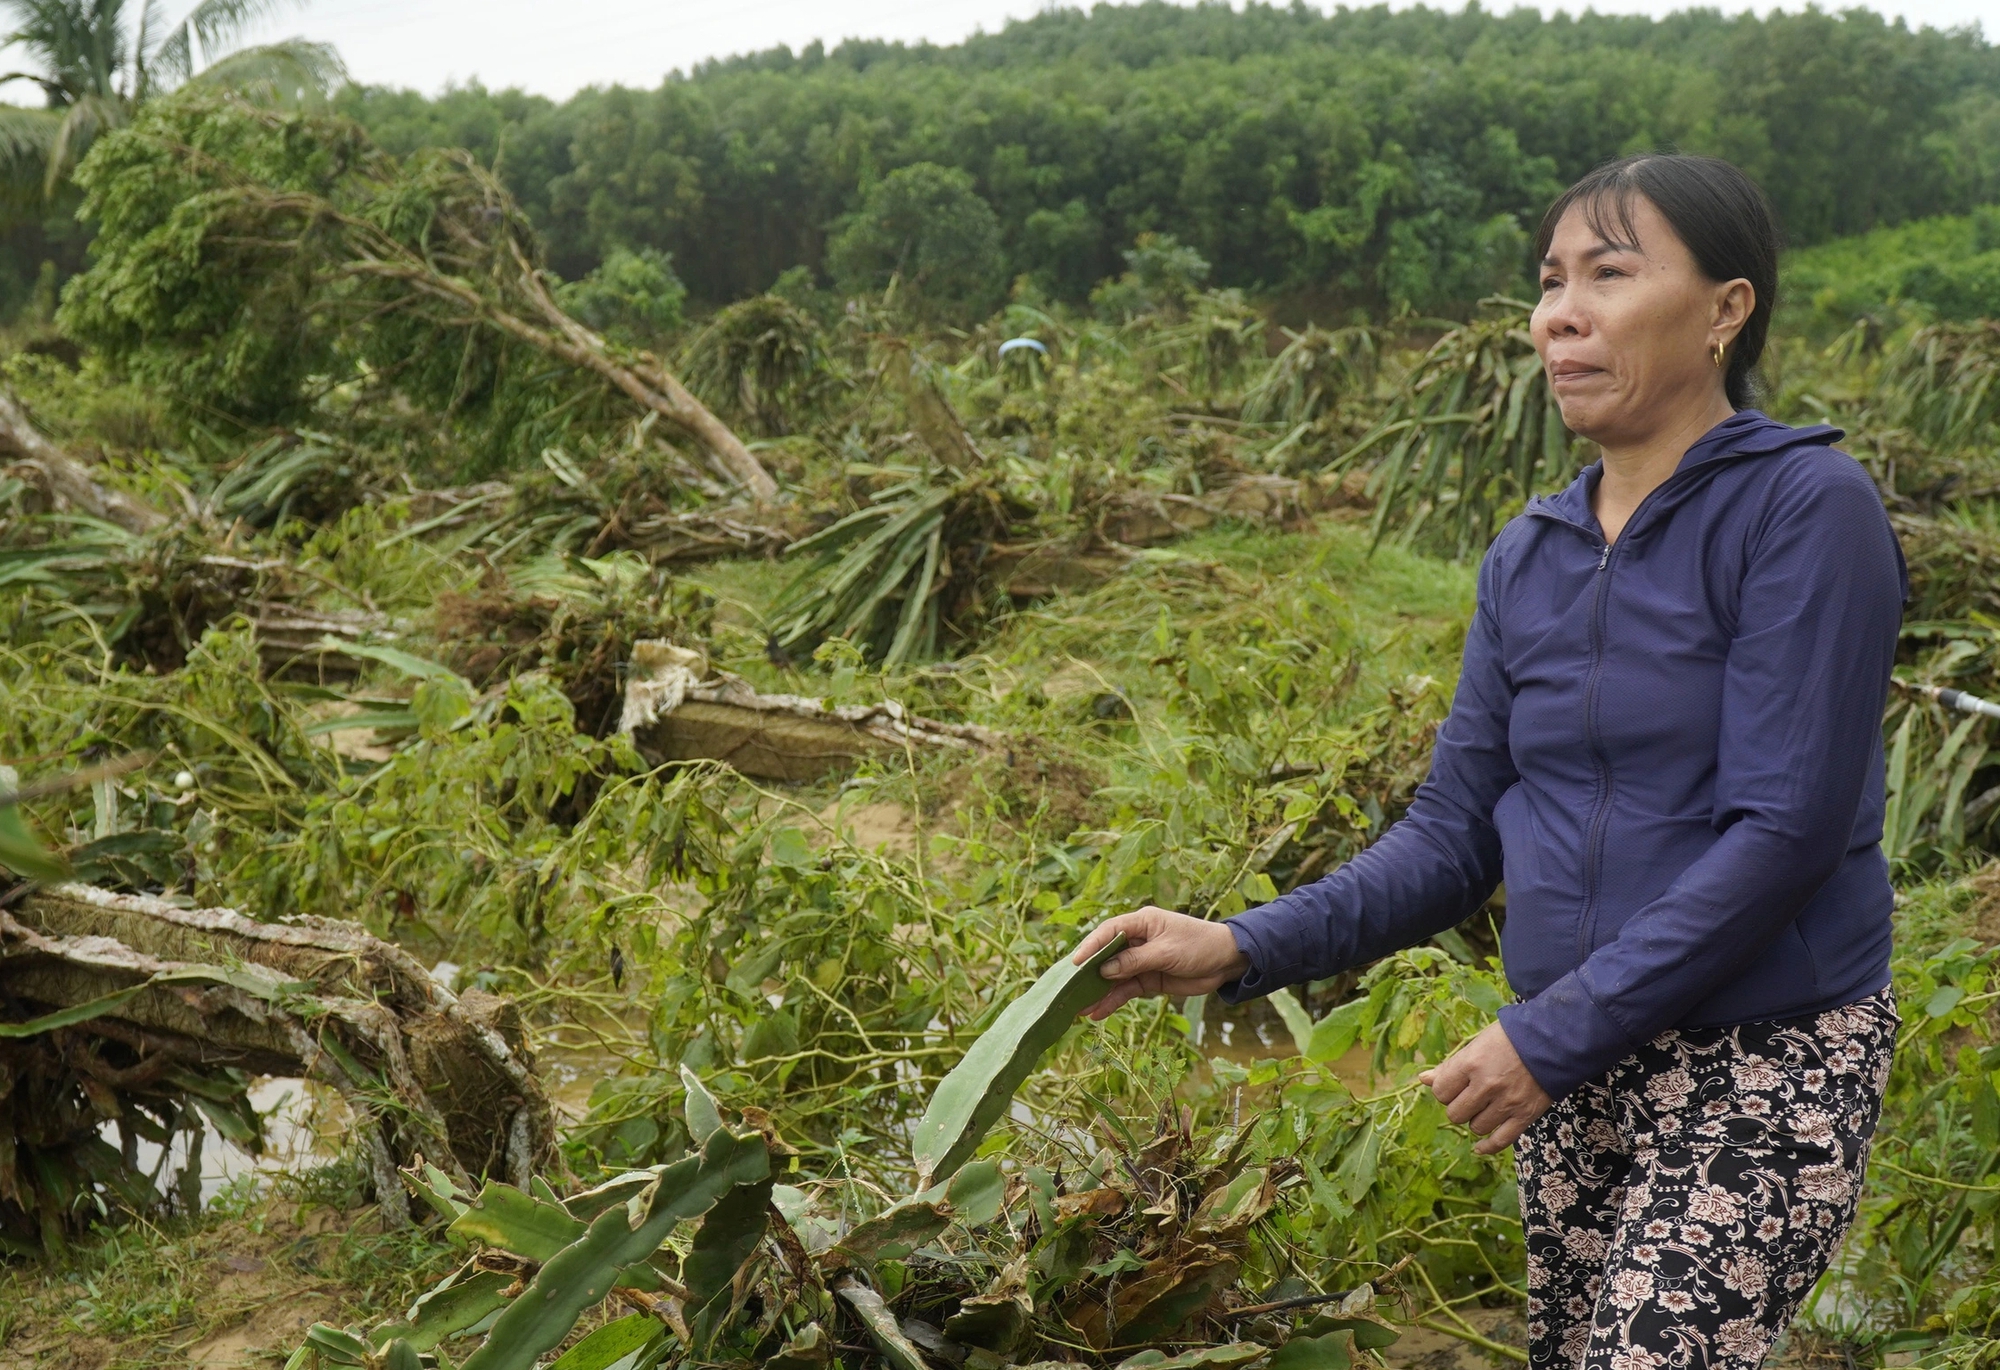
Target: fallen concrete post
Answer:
pixel 110 1003
pixel 678 708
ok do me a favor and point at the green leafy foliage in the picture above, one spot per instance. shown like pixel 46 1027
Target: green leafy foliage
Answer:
pixel 758 359
pixel 1183 1262
pixel 925 228
pixel 236 328
pixel 1940 383
pixel 1201 722
pixel 1947 267
pixel 579 1275
pixel 260 259
pixel 97 65
pixel 1473 433
pixel 632 296
pixel 20 851
pixel 1161 275
pixel 890 574
pixel 1376 157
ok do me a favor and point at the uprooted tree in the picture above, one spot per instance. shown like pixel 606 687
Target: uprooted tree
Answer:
pixel 679 708
pixel 258 258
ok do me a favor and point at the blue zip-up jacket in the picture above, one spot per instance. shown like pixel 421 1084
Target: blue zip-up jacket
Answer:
pixel 1669 747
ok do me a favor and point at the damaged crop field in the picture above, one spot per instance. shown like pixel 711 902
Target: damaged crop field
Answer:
pixel 636 783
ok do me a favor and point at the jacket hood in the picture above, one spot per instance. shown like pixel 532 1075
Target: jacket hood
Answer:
pixel 1746 433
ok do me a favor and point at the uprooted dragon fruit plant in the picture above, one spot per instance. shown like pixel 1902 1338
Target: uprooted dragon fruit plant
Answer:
pixel 743 725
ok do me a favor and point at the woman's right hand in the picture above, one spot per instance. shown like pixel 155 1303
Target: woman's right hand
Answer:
pixel 1165 953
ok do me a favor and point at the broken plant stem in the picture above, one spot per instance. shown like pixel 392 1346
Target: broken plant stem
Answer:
pixel 1312 1300
pixel 67 480
pixel 1464 1331
pixel 667 1310
pixel 651 385
pixel 76 780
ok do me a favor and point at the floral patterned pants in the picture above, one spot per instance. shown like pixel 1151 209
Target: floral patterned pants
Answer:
pixel 1678 1209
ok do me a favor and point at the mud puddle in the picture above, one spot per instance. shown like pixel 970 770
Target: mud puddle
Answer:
pixel 303 1126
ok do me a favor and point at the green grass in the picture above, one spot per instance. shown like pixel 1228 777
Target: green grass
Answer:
pixel 1320 583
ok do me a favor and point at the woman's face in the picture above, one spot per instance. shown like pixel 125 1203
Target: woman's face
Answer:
pixel 1626 330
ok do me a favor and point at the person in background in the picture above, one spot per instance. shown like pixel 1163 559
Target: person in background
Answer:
pixel 1666 740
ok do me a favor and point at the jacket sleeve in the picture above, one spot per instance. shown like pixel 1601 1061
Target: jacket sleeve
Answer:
pixel 1802 696
pixel 1430 870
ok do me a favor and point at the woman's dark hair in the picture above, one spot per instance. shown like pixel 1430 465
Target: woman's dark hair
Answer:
pixel 1718 212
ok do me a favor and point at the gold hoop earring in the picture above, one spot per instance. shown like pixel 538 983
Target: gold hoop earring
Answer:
pixel 1716 351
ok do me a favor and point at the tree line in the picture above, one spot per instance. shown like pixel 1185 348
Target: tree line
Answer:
pixel 1387 159
pixel 1353 159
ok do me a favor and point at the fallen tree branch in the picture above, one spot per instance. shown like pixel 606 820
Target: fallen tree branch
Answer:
pixel 474 233
pixel 650 383
pixel 651 387
pixel 65 480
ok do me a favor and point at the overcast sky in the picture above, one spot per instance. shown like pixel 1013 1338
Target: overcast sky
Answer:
pixel 555 49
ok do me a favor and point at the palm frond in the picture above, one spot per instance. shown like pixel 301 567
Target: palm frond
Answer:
pixel 150 19
pixel 80 126
pixel 262 484
pixel 1219 334
pixel 213 25
pixel 756 356
pixel 1931 758
pixel 887 575
pixel 1944 384
pixel 294 74
pixel 80 45
pixel 27 139
pixel 1316 370
pixel 50 87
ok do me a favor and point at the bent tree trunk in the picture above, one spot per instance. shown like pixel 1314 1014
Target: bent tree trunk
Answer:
pixel 472 263
pixel 652 385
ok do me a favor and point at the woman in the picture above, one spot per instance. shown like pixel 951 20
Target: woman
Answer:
pixel 1666 739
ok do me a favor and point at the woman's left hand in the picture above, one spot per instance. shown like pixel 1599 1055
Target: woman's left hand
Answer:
pixel 1484 1086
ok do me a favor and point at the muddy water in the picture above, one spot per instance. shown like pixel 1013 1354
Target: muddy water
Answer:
pixel 570 1074
pixel 1249 1033
pixel 304 1125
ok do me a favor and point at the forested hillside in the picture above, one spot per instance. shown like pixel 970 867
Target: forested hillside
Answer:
pixel 1389 159
pixel 1358 159
pixel 1948 265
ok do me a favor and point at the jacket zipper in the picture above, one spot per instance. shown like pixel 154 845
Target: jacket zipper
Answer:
pixel 1600 817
